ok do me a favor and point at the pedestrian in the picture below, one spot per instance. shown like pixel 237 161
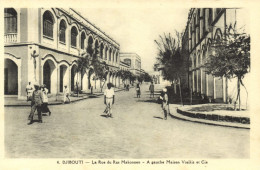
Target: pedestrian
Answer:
pixel 45 108
pixel 66 94
pixel 37 100
pixel 165 102
pixel 127 87
pixel 138 90
pixel 29 91
pixel 151 89
pixel 109 99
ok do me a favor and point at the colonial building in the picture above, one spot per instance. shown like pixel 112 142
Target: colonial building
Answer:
pixel 133 60
pixel 43 45
pixel 126 67
pixel 204 26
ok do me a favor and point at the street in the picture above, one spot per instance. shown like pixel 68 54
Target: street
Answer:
pixel 137 130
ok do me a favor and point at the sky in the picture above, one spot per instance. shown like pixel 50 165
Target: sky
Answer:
pixel 135 29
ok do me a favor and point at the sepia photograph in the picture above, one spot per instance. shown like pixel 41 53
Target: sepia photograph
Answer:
pixel 129 85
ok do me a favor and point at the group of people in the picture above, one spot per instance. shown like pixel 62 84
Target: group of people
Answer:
pixel 38 95
pixel 164 100
pixel 39 101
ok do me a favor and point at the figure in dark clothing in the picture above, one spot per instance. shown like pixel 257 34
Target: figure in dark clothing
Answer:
pixel 37 100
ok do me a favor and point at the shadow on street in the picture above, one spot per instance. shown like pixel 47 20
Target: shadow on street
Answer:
pixel 157 117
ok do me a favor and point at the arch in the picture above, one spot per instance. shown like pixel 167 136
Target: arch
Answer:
pixel 74 77
pixel 49 57
pixel 48 23
pixel 209 42
pixel 62 31
pixel 49 74
pixel 90 45
pixel 218 34
pixel 74 36
pixel 10 77
pixel 10 20
pixel 65 18
pixel 63 76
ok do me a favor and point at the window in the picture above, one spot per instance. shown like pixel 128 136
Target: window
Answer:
pixel 113 54
pixel 74 34
pixel 116 57
pixel 198 17
pixel 128 61
pixel 101 50
pixel 82 40
pixel 194 35
pixel 48 24
pixel 106 53
pixel 110 55
pixel 10 21
pixel 204 20
pixel 62 31
pixel 210 16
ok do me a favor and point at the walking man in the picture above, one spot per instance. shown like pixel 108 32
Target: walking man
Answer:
pixel 138 90
pixel 165 103
pixel 109 99
pixel 151 89
pixel 45 108
pixel 29 91
pixel 66 94
pixel 37 100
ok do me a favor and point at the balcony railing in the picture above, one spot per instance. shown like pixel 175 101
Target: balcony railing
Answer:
pixel 11 38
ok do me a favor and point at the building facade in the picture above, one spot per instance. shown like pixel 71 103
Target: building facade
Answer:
pixel 43 45
pixel 134 61
pixel 203 27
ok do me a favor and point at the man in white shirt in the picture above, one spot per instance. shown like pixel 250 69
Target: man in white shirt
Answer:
pixel 29 91
pixel 66 94
pixel 109 99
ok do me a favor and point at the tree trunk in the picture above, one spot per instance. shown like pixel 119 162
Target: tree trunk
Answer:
pixel 78 85
pixel 180 91
pixel 103 85
pixel 190 96
pixel 238 93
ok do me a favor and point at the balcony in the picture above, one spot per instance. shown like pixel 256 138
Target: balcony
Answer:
pixel 11 38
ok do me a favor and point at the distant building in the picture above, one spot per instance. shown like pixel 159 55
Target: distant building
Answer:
pixel 133 60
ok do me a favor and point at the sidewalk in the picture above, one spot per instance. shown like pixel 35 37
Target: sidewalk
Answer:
pixel 236 119
pixel 53 100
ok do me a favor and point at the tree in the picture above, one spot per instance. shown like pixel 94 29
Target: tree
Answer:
pixel 171 60
pixel 101 70
pixel 144 77
pixel 83 65
pixel 230 57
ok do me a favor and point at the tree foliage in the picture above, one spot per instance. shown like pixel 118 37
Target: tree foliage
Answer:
pixel 171 60
pixel 144 77
pixel 230 56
